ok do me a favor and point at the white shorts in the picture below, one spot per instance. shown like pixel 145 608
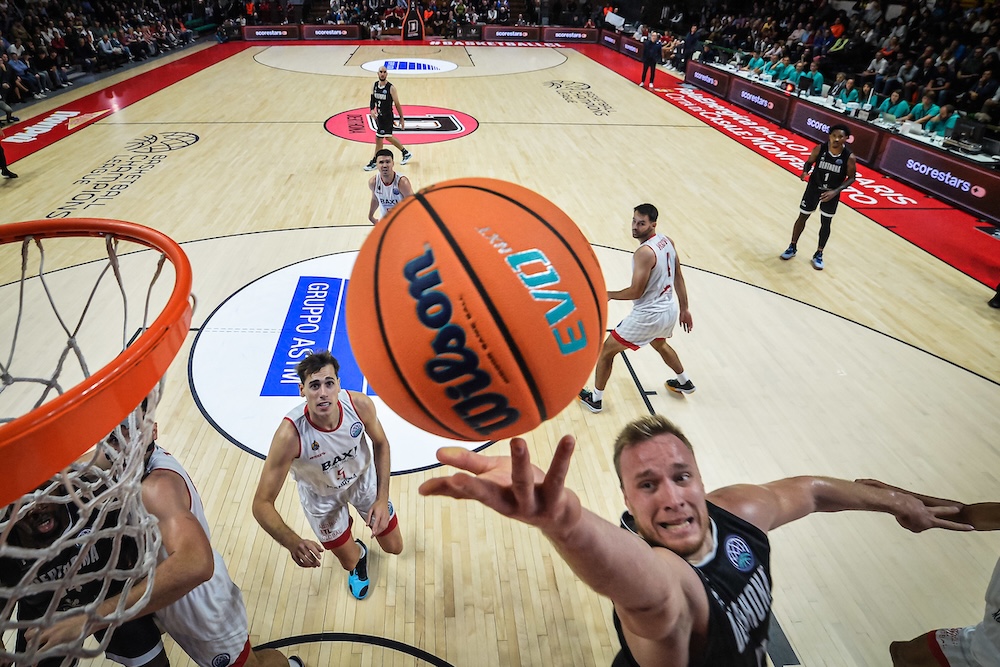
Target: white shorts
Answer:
pixel 329 516
pixel 210 622
pixel 960 647
pixel 641 328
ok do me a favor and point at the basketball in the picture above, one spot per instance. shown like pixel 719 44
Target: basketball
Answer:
pixel 476 309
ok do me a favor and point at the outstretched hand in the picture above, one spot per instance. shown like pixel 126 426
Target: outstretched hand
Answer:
pixel 511 485
pixel 920 512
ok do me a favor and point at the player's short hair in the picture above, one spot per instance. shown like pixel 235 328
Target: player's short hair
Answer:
pixel 840 126
pixel 643 429
pixel 384 152
pixel 647 210
pixel 315 362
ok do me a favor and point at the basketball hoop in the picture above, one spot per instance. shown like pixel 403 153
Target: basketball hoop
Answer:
pixel 46 428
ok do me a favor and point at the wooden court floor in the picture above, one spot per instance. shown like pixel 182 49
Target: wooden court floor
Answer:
pixel 884 365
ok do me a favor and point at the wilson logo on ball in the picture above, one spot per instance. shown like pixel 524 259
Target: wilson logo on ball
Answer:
pixel 484 412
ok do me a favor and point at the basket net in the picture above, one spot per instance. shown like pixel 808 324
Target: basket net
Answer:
pixel 75 532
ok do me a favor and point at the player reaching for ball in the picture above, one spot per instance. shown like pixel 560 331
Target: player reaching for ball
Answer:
pixel 337 451
pixel 656 277
pixel 388 187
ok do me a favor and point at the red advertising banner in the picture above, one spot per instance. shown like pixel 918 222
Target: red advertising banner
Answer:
pixel 949 178
pixel 767 102
pixel 331 32
pixel 511 33
pixel 814 122
pixel 270 32
pixel 631 47
pixel 707 78
pixel 588 35
pixel 610 39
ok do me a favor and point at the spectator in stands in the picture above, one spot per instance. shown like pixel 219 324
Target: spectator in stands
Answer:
pixel 876 68
pixel 986 87
pixel 867 95
pixel 941 84
pixel 848 93
pixel 20 69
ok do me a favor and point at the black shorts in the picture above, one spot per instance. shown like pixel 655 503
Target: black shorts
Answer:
pixel 134 643
pixel 810 200
pixel 383 126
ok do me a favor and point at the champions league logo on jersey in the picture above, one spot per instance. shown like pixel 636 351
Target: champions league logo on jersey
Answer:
pixel 220 660
pixel 356 429
pixel 739 554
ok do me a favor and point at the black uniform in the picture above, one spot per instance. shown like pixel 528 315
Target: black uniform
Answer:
pixel 382 104
pixel 132 640
pixel 828 173
pixel 737 582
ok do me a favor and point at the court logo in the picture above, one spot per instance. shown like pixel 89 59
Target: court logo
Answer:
pixel 161 143
pixel 411 66
pixel 103 184
pixel 242 363
pixel 423 125
pixel 577 92
pixel 739 554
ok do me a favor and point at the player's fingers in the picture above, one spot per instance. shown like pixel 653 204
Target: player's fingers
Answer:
pixel 522 475
pixel 555 478
pixel 457 457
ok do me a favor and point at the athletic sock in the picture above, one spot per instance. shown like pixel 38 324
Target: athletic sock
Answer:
pixel 683 378
pixel 597 394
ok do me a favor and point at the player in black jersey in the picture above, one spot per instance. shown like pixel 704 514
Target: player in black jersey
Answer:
pixel 135 643
pixel 384 98
pixel 696 588
pixel 835 171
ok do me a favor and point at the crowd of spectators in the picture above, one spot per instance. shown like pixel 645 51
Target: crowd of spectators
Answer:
pixel 924 50
pixel 43 43
pixel 939 52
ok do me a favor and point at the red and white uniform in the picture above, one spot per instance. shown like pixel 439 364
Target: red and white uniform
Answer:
pixel 974 646
pixel 334 469
pixel 655 312
pixel 210 622
pixel 388 195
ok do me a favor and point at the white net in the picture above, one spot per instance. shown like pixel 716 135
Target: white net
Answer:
pixel 82 537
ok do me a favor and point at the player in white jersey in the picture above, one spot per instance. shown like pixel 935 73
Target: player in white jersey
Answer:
pixel 388 187
pixel 193 597
pixel 659 300
pixel 971 646
pixel 336 450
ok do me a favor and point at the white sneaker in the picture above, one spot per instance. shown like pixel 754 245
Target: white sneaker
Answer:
pixel 407 156
pixel 650 85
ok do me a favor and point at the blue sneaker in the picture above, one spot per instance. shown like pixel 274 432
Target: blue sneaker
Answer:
pixel 357 580
pixel 789 253
pixel 817 261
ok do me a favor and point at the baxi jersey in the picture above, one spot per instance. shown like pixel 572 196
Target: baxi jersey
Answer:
pixel 388 195
pixel 737 581
pixel 330 461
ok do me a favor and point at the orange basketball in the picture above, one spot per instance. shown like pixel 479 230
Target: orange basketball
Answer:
pixel 476 309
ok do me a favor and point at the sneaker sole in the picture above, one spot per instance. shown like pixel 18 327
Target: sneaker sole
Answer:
pixel 591 407
pixel 786 257
pixel 678 390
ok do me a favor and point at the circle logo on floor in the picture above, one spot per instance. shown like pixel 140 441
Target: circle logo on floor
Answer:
pixel 424 125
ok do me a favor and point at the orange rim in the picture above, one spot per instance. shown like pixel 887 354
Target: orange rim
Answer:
pixel 38 444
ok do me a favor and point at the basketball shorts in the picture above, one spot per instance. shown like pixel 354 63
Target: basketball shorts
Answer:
pixel 210 622
pixel 810 201
pixel 330 517
pixel 132 644
pixel 643 327
pixel 383 126
pixel 964 647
